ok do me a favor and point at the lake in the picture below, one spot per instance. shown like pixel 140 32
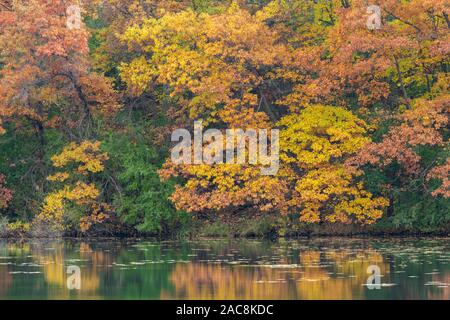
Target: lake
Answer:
pixel 326 268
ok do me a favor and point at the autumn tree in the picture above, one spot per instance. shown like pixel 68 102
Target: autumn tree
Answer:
pixel 400 153
pixel 77 193
pixel 312 181
pixel 396 74
pixel 5 193
pixel 215 70
pixel 441 173
pixel 115 16
pixel 363 110
pixel 48 91
pixel 224 75
pixel 363 67
pixel 314 144
pixel 46 79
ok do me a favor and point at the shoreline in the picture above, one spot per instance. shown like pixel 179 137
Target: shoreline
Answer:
pixel 203 238
pixel 238 229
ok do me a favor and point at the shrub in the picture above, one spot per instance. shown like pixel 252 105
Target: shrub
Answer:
pixel 143 200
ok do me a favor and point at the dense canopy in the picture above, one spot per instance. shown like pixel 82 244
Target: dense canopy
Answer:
pixel 90 95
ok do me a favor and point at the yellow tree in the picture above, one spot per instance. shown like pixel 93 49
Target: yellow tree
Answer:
pixel 314 144
pixel 229 69
pixel 77 193
pixel 312 181
pixel 219 67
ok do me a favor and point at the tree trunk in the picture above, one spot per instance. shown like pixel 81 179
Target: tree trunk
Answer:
pixel 400 79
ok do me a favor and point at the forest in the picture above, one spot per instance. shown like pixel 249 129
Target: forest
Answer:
pixel 91 91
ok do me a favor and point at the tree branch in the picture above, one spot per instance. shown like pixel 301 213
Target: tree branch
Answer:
pixel 404 21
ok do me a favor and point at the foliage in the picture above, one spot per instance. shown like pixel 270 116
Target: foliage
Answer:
pixel 314 144
pixel 3 226
pixel 215 229
pixel 19 226
pixel 5 194
pixel 208 58
pixel 83 160
pixel 18 229
pixel 421 212
pixel 319 135
pixel 143 200
pixel 363 114
pixel 257 228
pixel 46 70
pixel 441 173
pixel 312 182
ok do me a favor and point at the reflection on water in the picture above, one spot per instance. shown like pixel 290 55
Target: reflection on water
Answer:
pixel 226 269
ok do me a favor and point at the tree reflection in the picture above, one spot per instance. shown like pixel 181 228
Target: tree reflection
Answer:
pixel 320 269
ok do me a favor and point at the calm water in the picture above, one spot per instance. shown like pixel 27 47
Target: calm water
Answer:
pixel 227 269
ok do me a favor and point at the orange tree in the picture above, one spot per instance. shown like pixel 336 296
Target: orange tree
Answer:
pixel 48 91
pixel 46 78
pixel 5 194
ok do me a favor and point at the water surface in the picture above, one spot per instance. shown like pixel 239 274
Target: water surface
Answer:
pixel 331 268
